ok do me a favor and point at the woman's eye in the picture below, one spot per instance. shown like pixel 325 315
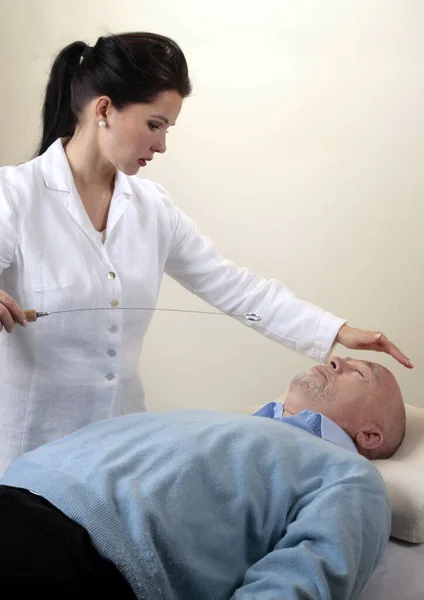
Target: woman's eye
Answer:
pixel 154 127
pixel 360 374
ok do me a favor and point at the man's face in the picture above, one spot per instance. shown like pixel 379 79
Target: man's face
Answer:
pixel 344 390
pixel 363 398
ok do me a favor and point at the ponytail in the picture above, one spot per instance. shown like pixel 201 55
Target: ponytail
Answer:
pixel 128 68
pixel 58 118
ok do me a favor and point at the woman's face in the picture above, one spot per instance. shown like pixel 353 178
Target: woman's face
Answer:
pixel 134 134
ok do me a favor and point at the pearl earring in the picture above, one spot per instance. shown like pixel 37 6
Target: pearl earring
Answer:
pixel 102 123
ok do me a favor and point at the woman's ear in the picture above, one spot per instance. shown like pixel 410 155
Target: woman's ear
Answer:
pixel 102 107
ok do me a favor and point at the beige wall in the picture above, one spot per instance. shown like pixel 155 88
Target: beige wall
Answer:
pixel 300 154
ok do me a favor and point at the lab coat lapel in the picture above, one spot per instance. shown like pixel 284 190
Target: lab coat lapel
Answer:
pixel 58 177
pixel 56 171
pixel 121 199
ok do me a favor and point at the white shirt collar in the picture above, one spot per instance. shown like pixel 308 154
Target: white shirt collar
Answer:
pixel 58 176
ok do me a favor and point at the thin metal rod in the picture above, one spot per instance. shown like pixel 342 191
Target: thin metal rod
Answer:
pixel 248 316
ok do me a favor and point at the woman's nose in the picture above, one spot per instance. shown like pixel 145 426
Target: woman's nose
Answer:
pixel 159 145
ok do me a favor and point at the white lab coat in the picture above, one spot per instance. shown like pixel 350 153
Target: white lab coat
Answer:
pixel 67 371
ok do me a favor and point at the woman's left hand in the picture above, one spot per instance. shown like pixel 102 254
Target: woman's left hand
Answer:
pixel 360 339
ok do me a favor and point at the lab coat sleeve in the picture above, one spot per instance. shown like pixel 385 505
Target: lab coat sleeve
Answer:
pixel 329 551
pixel 195 263
pixel 8 229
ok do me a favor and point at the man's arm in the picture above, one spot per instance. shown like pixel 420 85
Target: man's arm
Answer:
pixel 328 551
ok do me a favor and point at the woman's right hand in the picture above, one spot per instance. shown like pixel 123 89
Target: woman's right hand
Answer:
pixel 10 313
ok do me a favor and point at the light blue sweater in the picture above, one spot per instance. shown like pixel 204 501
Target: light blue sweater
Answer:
pixel 196 505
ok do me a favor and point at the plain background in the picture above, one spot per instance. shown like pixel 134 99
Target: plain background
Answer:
pixel 299 153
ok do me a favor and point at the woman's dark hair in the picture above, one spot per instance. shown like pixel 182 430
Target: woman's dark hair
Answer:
pixel 129 68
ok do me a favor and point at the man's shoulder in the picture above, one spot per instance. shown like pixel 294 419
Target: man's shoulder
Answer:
pixel 317 452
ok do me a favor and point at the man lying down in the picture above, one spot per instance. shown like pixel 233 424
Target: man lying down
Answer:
pixel 201 505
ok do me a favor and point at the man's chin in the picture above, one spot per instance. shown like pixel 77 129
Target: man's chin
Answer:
pixel 311 384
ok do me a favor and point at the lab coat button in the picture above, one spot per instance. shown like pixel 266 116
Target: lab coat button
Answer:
pixel 114 302
pixel 113 328
pixel 111 352
pixel 111 275
pixel 110 376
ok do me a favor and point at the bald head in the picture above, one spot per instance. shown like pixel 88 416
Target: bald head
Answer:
pixel 361 397
pixel 388 411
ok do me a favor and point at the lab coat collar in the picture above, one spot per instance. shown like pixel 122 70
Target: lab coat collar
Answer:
pixel 58 175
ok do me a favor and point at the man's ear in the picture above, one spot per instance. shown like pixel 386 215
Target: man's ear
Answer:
pixel 370 437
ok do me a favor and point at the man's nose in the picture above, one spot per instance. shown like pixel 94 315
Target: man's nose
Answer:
pixel 336 363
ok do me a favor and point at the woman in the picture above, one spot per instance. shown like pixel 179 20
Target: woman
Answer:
pixel 79 230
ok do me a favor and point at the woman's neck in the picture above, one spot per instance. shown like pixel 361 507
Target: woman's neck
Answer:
pixel 88 167
pixel 94 177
